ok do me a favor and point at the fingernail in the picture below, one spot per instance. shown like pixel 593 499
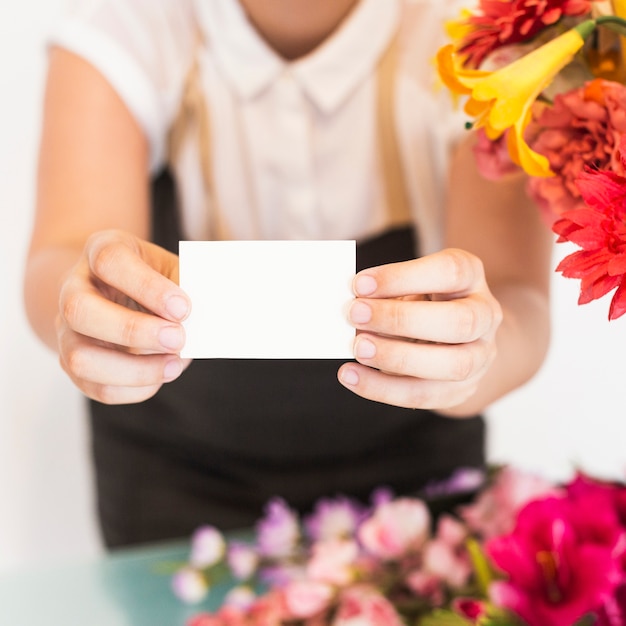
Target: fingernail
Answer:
pixel 177 307
pixel 171 337
pixel 360 313
pixel 365 285
pixel 364 349
pixel 349 376
pixel 172 369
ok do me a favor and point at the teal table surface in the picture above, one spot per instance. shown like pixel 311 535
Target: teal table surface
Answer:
pixel 124 588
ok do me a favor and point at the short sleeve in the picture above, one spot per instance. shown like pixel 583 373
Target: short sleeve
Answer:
pixel 143 48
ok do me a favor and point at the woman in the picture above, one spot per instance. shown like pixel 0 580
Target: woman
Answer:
pixel 299 120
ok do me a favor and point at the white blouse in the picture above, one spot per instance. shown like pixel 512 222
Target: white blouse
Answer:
pixel 294 145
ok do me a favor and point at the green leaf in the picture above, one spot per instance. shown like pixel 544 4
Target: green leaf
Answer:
pixel 440 617
pixel 586 620
pixel 482 568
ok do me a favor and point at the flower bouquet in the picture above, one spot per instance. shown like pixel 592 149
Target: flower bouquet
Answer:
pixel 522 551
pixel 542 82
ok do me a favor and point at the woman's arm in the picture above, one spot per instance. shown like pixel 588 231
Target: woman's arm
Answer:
pixel 497 222
pixel 458 329
pixel 95 291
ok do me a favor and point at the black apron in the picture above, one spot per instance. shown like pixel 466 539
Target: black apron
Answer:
pixel 217 443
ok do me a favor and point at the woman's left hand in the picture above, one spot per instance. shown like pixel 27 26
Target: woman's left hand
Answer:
pixel 425 331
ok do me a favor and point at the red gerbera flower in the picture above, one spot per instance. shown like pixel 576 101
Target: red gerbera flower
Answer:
pixel 600 231
pixel 501 22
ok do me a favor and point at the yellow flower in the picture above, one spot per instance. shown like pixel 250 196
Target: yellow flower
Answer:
pixel 502 100
pixel 460 28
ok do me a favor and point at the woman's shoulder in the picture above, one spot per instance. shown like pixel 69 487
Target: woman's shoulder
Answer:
pixel 145 27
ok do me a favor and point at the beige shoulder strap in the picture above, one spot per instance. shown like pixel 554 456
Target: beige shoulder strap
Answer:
pixel 396 190
pixel 193 114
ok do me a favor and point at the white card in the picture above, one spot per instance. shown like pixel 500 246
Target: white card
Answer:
pixel 268 299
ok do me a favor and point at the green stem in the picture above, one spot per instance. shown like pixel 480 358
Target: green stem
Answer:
pixel 584 29
pixel 613 22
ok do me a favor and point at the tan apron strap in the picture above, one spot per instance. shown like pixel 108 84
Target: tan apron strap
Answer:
pixel 193 112
pixel 392 170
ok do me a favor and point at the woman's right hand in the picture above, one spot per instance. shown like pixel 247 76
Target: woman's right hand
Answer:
pixel 119 326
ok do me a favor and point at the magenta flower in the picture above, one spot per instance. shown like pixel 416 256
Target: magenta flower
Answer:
pixel 607 494
pixel 278 532
pixel 613 612
pixel 559 562
pixel 469 608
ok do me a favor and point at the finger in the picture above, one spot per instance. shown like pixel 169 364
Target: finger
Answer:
pixel 450 321
pixel 87 312
pixel 404 391
pixel 424 360
pixel 111 394
pixel 451 271
pixel 142 271
pixel 87 361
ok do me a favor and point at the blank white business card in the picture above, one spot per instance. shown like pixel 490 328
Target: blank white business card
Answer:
pixel 268 299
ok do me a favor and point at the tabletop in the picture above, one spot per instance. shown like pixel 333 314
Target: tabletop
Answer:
pixel 129 587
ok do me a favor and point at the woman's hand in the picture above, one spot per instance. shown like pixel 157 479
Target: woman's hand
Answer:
pixel 119 324
pixel 425 331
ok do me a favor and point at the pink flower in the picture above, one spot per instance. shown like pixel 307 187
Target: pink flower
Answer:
pixel 362 605
pixel 205 619
pixel 494 510
pixel 492 156
pixel 278 531
pixel 242 559
pixel 426 586
pixel 241 597
pixel 230 616
pixel 445 557
pixel 306 598
pixel 396 528
pixel 268 610
pixel 338 517
pixel 333 561
pixel 582 128
pixel 559 561
pixel 207 547
pixel 190 585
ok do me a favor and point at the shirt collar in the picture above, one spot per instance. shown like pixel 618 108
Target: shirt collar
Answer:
pixel 327 75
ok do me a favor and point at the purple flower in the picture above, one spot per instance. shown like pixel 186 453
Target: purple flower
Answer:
pixel 278 532
pixel 334 519
pixel 463 480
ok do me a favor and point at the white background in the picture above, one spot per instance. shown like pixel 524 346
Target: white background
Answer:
pixel 570 414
